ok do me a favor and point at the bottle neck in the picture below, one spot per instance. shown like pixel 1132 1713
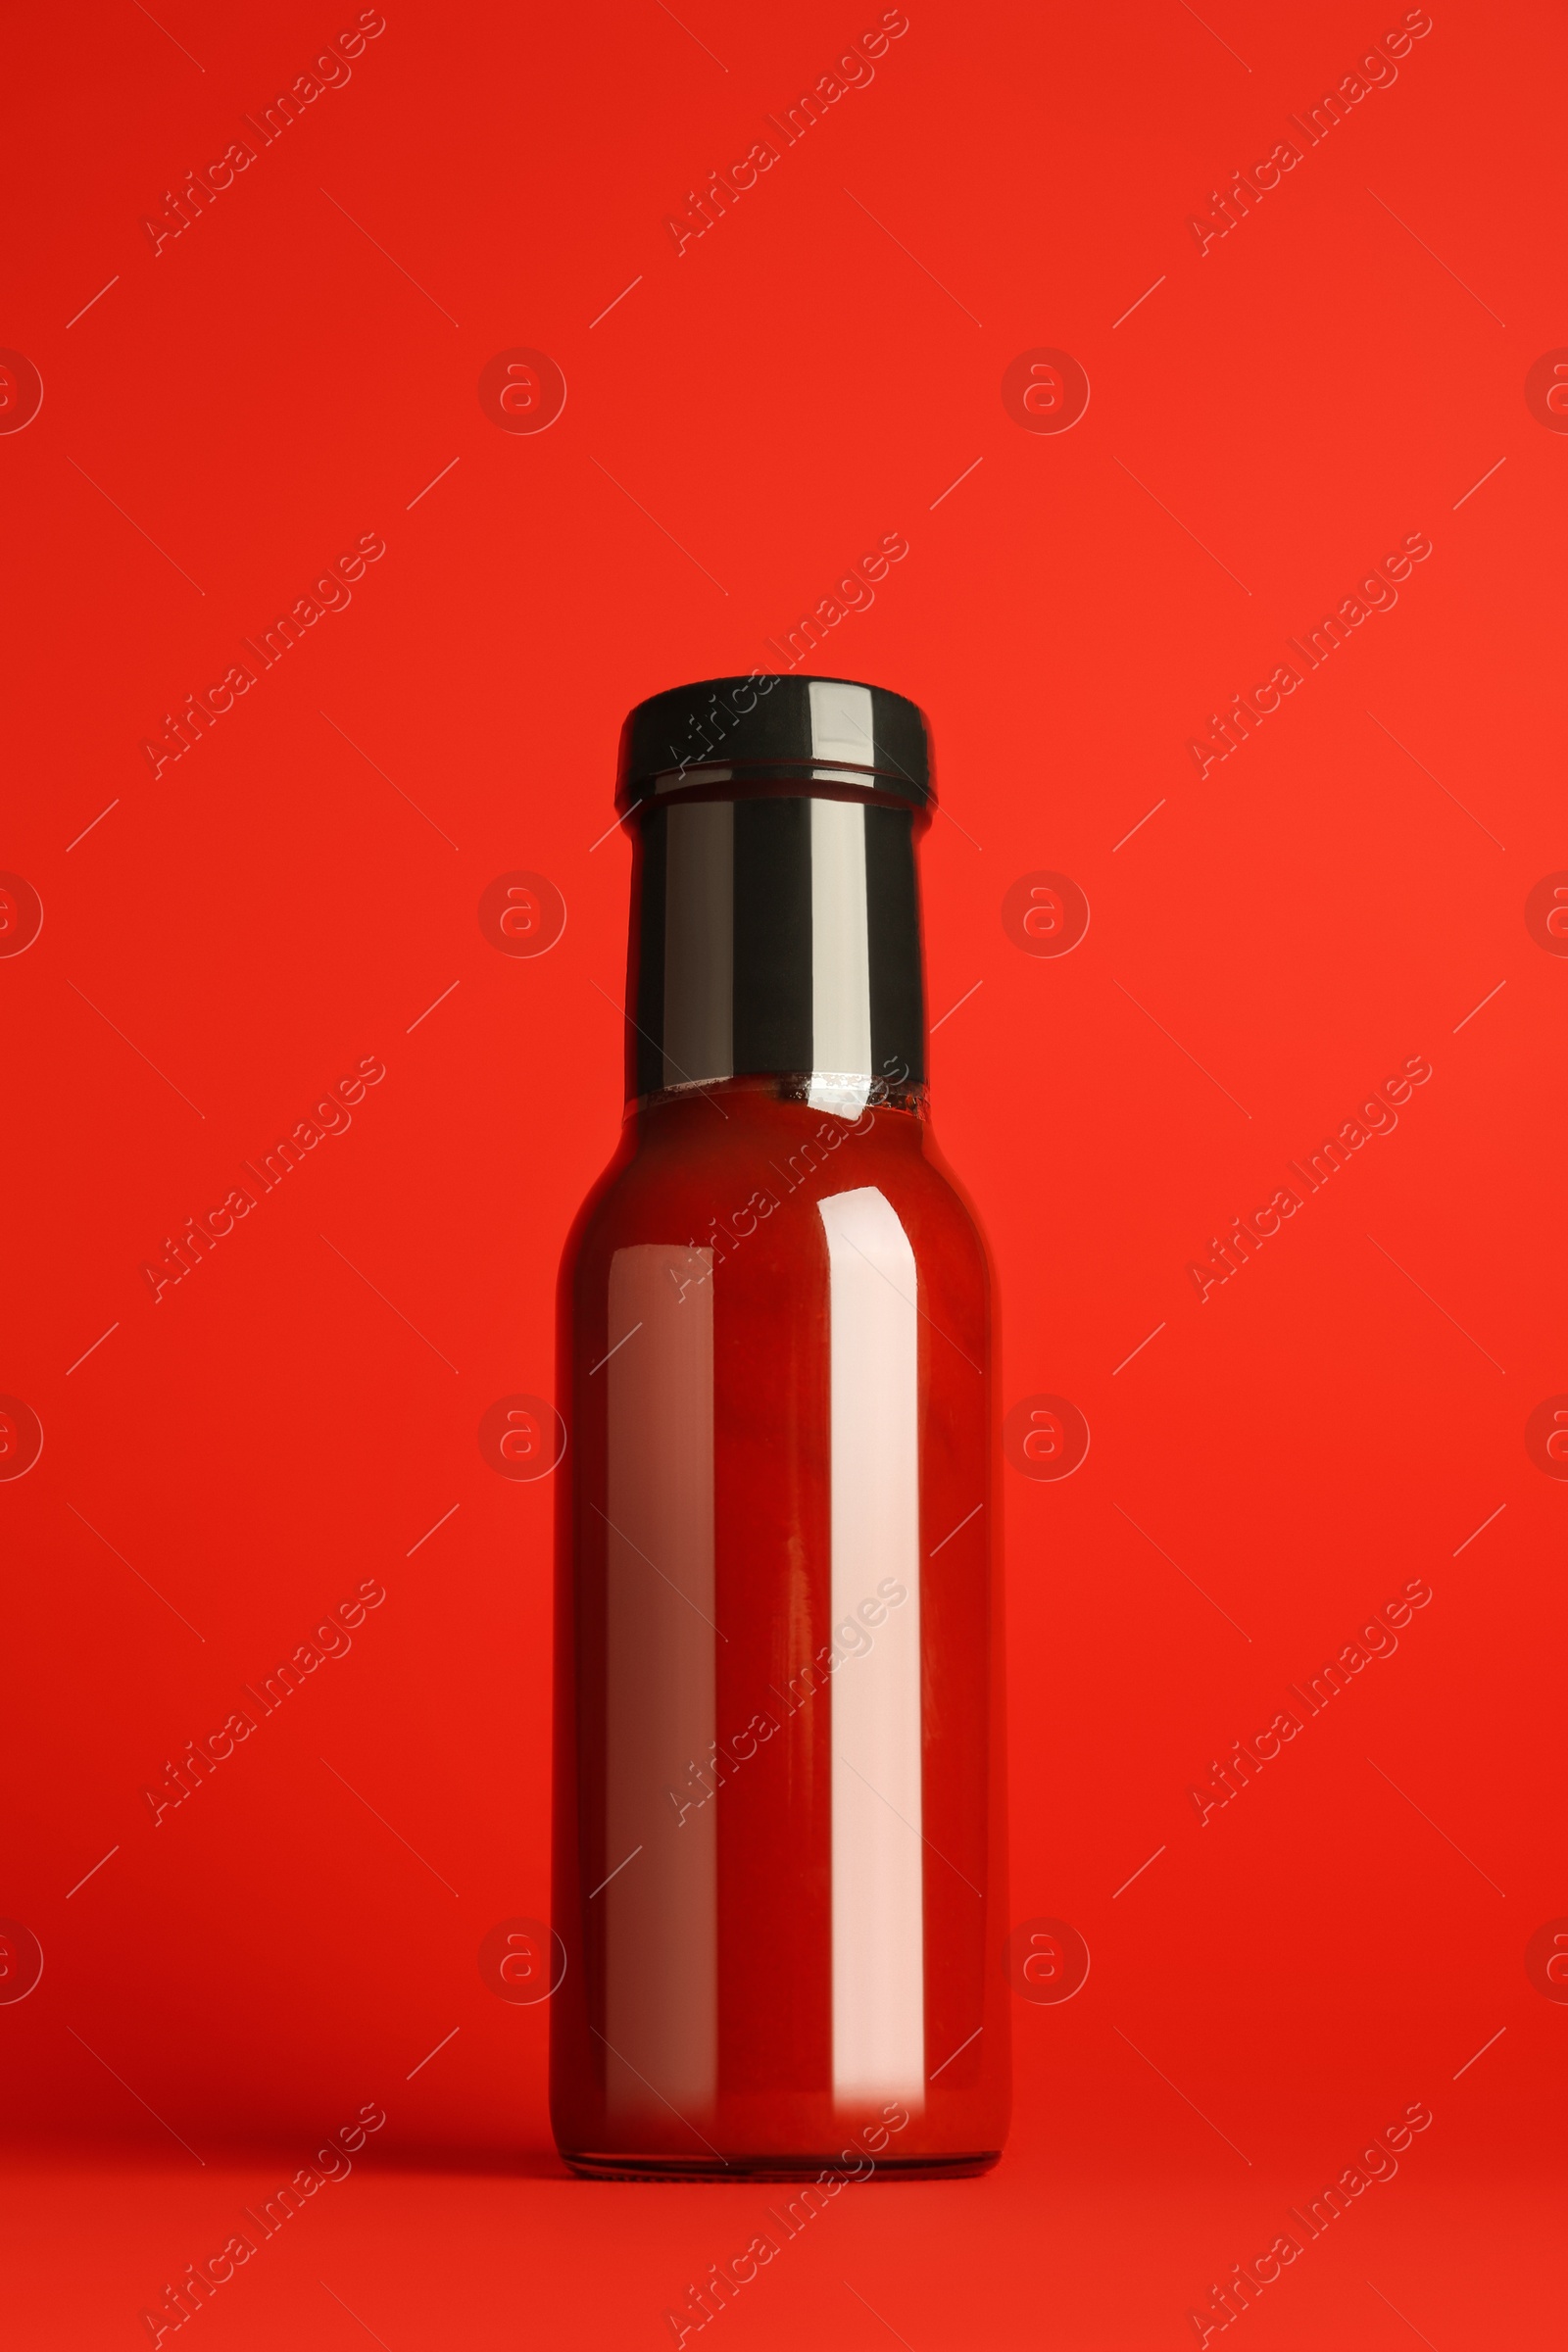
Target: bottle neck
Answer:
pixel 777 936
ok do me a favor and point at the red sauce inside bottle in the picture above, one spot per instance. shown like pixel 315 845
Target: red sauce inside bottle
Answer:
pixel 756 1289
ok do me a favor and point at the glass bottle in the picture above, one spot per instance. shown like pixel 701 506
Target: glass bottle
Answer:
pixel 779 1842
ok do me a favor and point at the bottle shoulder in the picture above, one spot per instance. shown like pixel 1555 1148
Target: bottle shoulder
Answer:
pixel 727 1169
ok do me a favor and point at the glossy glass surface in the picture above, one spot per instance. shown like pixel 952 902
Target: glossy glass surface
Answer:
pixel 779 1846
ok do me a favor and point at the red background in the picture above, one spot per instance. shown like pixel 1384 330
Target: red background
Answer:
pixel 754 415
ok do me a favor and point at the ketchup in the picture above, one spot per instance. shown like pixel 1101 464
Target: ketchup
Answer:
pixel 779 1838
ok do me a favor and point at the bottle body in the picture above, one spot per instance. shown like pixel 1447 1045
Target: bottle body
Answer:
pixel 779 1857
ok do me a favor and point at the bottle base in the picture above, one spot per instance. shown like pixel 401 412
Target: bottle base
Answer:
pixel 590 2164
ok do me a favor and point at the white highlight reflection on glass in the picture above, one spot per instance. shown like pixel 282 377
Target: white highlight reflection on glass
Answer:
pixel 878 1849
